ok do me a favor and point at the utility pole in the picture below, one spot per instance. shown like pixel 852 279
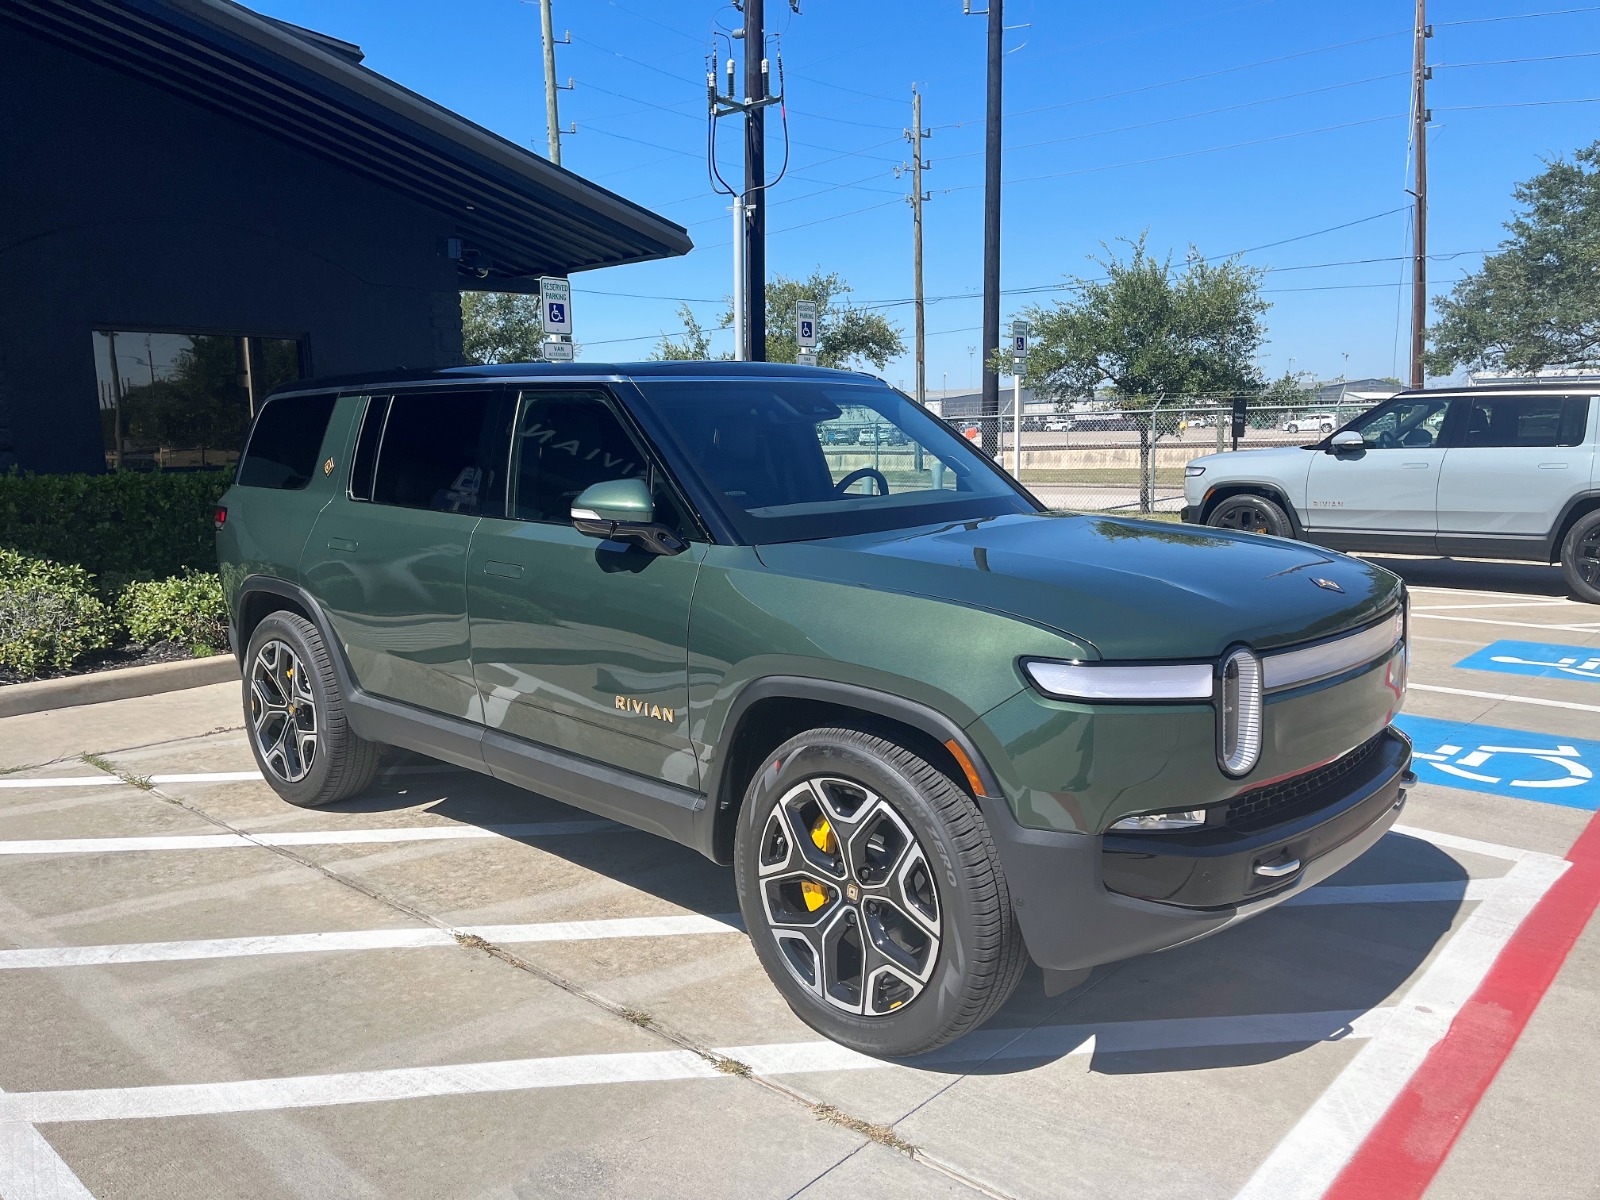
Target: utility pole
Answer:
pixel 552 118
pixel 1419 247
pixel 915 135
pixel 755 181
pixel 989 405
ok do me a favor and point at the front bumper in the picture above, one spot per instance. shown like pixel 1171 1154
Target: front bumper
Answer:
pixel 1189 514
pixel 1087 899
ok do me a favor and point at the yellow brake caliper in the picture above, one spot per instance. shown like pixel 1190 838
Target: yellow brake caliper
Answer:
pixel 822 837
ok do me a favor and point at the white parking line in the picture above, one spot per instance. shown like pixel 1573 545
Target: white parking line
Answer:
pixel 1504 696
pixel 314 837
pixel 1307 1161
pixel 362 939
pixel 1509 624
pixel 103 780
pixel 1449 591
pixel 1450 841
pixel 120 954
pixel 1433 608
pixel 409 1083
pixel 30 1169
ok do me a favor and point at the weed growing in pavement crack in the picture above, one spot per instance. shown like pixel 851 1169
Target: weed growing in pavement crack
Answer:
pixel 884 1135
pixel 101 763
pixel 472 941
pixel 731 1066
pixel 641 1019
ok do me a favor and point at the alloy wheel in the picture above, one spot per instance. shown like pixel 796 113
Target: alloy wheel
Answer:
pixel 1586 558
pixel 1247 518
pixel 850 896
pixel 283 712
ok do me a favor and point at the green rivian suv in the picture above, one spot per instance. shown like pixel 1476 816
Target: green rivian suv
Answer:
pixel 935 729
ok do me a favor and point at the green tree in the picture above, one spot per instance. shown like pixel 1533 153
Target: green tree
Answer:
pixel 1150 333
pixel 847 336
pixel 693 344
pixel 1287 391
pixel 1535 301
pixel 500 327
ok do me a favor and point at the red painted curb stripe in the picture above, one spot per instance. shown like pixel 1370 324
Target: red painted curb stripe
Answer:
pixel 1405 1150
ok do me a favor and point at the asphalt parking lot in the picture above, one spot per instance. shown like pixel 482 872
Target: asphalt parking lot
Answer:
pixel 451 988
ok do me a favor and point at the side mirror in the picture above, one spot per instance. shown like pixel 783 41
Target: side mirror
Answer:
pixel 621 509
pixel 1348 439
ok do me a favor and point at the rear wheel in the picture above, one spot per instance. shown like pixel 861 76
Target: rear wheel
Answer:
pixel 873 894
pixel 1251 514
pixel 1580 558
pixel 295 719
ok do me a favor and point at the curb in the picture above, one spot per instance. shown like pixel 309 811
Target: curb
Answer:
pixel 123 684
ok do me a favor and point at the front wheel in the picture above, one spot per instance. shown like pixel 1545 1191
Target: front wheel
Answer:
pixel 873 894
pixel 1580 558
pixel 295 718
pixel 1251 514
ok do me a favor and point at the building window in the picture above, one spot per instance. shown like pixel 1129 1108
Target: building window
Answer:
pixel 171 401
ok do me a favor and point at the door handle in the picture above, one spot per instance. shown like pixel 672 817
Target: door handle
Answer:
pixel 1552 466
pixel 346 544
pixel 1414 466
pixel 503 569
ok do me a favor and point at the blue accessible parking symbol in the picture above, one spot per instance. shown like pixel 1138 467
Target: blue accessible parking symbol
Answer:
pixel 1548 660
pixel 1505 762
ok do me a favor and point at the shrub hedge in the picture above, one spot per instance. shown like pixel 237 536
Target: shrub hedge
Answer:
pixel 123 525
pixel 49 615
pixel 187 609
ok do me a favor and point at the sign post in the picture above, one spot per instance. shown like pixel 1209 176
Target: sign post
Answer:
pixel 1019 358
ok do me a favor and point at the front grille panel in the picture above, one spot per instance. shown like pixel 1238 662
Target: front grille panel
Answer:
pixel 1262 807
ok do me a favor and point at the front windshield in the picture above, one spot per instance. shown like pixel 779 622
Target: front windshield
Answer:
pixel 795 460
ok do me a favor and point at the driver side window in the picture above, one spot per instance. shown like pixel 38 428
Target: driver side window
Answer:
pixel 1414 422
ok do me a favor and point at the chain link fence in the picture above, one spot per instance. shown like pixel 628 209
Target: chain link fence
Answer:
pixel 1132 459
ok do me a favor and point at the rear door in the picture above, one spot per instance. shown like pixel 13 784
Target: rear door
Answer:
pixel 1386 492
pixel 1511 469
pixel 577 643
pixel 388 560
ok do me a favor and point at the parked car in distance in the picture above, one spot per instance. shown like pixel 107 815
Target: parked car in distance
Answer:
pixel 1102 422
pixel 1480 472
pixel 1309 423
pixel 882 435
pixel 835 433
pixel 934 728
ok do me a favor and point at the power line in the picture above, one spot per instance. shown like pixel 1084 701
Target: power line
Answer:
pixel 1506 62
pixel 1557 12
pixel 1518 104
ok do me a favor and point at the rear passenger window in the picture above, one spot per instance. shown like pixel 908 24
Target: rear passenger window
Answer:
pixel 438 451
pixel 372 419
pixel 1532 421
pixel 284 445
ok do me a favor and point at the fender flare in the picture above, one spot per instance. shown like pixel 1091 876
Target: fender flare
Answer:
pixel 1274 492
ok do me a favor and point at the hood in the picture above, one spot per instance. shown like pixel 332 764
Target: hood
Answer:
pixel 1130 589
pixel 1299 455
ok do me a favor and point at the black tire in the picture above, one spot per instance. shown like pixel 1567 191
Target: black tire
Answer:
pixel 939 903
pixel 1580 557
pixel 1251 514
pixel 1292 428
pixel 1326 427
pixel 287 653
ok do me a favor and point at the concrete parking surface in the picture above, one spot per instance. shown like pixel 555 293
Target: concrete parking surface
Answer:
pixel 452 988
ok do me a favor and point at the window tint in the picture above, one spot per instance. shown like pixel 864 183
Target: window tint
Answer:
pixel 1411 422
pixel 565 441
pixel 285 443
pixel 366 457
pixel 1504 421
pixel 438 452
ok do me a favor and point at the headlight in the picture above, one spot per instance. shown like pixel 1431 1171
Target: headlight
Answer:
pixel 1239 715
pixel 1162 822
pixel 1095 681
pixel 1192 471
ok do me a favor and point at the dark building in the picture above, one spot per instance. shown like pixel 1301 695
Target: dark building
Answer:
pixel 198 202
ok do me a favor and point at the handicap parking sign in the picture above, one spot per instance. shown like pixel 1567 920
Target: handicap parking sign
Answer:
pixel 1548 660
pixel 1547 767
pixel 557 315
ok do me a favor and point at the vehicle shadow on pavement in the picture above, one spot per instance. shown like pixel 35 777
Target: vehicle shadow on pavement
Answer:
pixel 1518 577
pixel 1311 968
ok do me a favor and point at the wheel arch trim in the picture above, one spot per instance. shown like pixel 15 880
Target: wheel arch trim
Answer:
pixel 1267 489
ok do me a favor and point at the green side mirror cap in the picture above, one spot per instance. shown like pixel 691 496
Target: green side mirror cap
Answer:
pixel 623 501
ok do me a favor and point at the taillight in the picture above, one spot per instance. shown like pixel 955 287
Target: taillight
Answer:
pixel 220 517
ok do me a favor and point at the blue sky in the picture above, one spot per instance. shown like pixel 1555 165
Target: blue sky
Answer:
pixel 1168 116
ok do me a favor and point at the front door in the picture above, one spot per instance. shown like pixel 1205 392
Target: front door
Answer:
pixel 388 560
pixel 1511 469
pixel 1388 489
pixel 577 643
